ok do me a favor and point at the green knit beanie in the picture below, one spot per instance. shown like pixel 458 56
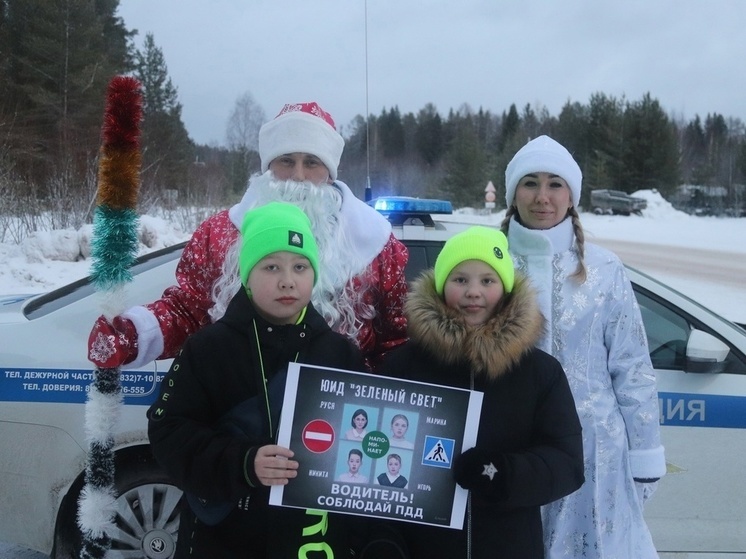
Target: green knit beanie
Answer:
pixel 476 243
pixel 276 227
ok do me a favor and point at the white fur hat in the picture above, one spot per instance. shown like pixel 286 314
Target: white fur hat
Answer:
pixel 305 128
pixel 543 155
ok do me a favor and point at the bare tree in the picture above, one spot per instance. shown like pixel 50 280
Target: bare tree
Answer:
pixel 242 131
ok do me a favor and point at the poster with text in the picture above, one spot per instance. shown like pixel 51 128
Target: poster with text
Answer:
pixel 375 446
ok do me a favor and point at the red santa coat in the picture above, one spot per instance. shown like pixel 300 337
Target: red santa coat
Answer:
pixel 164 325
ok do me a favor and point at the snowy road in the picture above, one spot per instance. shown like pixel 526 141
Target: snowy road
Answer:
pixel 716 279
pixel 722 268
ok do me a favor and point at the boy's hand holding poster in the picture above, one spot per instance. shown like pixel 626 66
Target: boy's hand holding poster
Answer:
pixel 375 446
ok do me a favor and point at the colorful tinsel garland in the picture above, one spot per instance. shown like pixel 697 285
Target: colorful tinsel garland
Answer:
pixel 113 251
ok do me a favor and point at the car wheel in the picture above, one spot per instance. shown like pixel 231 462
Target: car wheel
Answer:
pixel 147 513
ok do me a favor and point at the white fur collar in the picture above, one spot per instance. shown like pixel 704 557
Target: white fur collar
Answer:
pixel 367 229
pixel 559 238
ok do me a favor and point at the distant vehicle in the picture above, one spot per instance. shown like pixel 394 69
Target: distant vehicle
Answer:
pixel 699 358
pixel 616 202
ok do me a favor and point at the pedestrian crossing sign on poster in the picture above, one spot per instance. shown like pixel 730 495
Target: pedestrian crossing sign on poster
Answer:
pixel 438 452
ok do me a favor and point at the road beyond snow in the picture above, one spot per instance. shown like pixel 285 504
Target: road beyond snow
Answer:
pixel 715 279
pixel 712 266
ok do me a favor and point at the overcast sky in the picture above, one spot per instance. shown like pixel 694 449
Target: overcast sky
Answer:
pixel 688 54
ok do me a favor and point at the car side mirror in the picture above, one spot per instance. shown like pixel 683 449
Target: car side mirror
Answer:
pixel 705 353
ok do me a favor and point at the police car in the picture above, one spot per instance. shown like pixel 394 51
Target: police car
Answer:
pixel 700 359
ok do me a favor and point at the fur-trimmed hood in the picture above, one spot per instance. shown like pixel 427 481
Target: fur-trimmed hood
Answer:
pixel 492 348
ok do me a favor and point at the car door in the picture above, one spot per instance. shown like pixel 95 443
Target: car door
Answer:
pixel 699 505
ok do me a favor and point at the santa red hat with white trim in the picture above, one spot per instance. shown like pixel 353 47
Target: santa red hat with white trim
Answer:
pixel 302 128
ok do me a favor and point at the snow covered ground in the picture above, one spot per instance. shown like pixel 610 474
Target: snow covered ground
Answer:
pixel 49 259
pixel 703 257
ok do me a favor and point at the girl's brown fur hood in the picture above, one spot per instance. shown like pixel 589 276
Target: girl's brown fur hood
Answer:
pixel 492 348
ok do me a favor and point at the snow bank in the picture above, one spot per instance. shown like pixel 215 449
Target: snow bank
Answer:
pixel 68 245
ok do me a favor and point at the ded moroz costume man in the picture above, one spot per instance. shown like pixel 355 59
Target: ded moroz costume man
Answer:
pixel 361 288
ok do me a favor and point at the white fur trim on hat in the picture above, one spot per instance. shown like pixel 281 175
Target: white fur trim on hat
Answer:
pixel 298 131
pixel 543 155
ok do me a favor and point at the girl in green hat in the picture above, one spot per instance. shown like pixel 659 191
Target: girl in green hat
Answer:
pixel 474 324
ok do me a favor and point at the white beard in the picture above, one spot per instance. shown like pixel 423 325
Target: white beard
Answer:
pixel 339 261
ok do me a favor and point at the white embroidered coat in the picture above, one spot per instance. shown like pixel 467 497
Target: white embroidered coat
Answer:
pixel 595 330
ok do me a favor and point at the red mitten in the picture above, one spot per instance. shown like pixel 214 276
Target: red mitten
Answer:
pixel 112 344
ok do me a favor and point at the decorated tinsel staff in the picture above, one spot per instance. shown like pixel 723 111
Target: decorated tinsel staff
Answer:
pixel 113 251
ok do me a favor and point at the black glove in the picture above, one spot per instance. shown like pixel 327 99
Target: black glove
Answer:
pixel 480 471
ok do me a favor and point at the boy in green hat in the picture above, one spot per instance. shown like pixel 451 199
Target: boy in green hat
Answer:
pixel 214 424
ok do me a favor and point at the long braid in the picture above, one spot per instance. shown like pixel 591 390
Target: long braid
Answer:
pixel 510 212
pixel 581 273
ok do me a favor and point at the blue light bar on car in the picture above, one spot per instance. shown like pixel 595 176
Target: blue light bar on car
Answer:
pixel 410 205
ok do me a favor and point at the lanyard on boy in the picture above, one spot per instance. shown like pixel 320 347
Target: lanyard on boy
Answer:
pixel 264 381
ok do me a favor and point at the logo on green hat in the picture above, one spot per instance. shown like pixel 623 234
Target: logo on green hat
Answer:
pixel 295 239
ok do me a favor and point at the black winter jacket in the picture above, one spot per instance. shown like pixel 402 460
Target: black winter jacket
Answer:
pixel 218 368
pixel 528 426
